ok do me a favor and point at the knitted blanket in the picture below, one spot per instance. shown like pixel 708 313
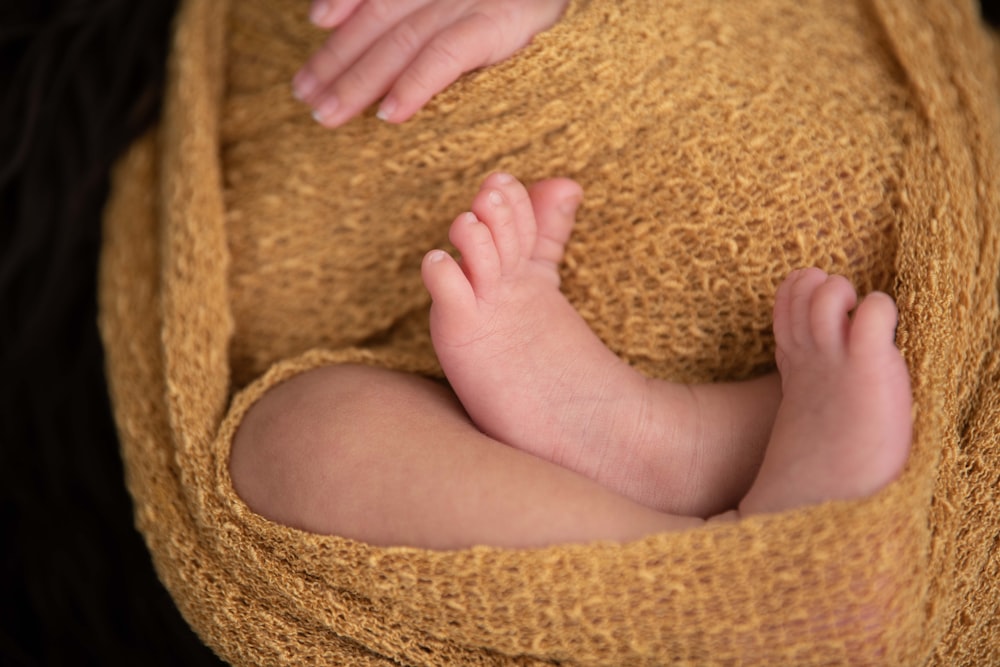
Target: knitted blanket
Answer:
pixel 719 146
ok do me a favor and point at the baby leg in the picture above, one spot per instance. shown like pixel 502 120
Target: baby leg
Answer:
pixel 392 459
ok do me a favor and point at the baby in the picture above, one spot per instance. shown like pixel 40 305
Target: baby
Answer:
pixel 555 439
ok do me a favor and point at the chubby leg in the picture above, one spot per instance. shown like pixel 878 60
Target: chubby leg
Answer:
pixel 392 459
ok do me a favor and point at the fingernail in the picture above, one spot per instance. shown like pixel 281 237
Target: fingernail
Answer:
pixel 386 109
pixel 303 85
pixel 319 11
pixel 325 111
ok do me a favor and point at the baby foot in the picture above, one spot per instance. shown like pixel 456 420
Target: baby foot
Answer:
pixel 525 365
pixel 843 426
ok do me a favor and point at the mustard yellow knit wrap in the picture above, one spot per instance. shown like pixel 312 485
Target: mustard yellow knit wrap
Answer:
pixel 720 144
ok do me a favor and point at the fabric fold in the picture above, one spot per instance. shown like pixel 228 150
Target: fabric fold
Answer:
pixel 719 147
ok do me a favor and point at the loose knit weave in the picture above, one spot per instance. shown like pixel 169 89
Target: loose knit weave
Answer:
pixel 720 145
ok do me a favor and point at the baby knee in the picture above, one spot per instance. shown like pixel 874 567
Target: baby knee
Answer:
pixel 293 451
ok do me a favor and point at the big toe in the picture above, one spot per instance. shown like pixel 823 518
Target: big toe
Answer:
pixel 555 202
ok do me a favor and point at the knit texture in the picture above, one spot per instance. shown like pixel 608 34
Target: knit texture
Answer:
pixel 720 145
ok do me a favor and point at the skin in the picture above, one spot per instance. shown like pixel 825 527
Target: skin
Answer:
pixel 531 374
pixel 304 453
pixel 558 391
pixel 406 51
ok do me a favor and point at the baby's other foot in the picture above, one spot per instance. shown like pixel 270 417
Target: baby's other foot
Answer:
pixel 525 365
pixel 843 427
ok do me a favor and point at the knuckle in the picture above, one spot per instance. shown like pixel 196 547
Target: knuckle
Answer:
pixel 443 53
pixel 405 37
pixel 439 62
pixel 380 11
pixel 414 84
pixel 489 26
pixel 351 81
pixel 328 59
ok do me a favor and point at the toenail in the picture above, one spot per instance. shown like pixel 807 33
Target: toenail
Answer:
pixel 504 178
pixel 495 198
pixel 469 218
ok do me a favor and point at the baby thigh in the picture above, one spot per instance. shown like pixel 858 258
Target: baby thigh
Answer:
pixel 391 459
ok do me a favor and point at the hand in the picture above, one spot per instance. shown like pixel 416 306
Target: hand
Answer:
pixel 409 50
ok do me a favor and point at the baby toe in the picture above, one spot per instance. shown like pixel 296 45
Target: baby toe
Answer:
pixel 521 204
pixel 801 292
pixel 445 281
pixel 493 206
pixel 480 256
pixel 829 314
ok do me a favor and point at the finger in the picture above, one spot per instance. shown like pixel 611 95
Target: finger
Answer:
pixel 542 15
pixel 375 71
pixel 364 28
pixel 465 45
pixel 331 13
pixel 314 76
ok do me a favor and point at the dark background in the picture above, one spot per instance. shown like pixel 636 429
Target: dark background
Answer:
pixel 79 80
